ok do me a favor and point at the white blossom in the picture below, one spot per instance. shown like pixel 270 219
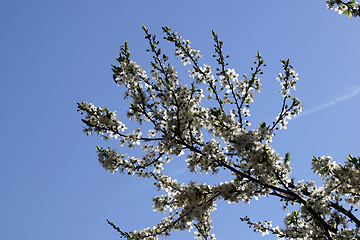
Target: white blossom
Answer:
pixel 215 136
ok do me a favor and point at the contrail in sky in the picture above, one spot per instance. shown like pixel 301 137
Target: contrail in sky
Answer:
pixel 349 94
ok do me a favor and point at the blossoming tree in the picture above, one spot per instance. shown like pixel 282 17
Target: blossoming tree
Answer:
pixel 214 139
pixel 350 8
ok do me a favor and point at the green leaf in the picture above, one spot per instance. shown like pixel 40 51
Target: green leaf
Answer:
pixel 287 157
pixel 144 28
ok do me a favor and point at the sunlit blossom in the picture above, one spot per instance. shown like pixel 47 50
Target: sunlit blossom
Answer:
pixel 181 125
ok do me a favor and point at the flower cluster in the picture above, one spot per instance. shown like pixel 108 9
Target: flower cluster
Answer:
pixel 217 138
pixel 350 8
pixel 345 179
pixel 288 81
pixel 101 121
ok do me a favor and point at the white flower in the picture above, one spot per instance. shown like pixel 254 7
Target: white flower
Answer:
pixel 246 112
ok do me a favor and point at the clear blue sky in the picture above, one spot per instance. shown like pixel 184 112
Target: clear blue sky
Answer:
pixel 55 53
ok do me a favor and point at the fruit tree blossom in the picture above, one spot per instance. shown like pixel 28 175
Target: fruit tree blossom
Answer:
pixel 350 8
pixel 214 139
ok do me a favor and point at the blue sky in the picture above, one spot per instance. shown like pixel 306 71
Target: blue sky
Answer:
pixel 55 53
